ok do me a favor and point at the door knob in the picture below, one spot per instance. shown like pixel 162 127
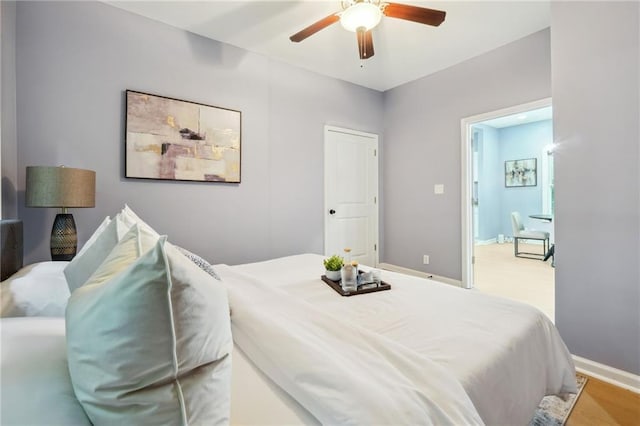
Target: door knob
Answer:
pixel 332 211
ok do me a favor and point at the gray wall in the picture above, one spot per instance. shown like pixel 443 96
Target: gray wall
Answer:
pixel 75 59
pixel 596 108
pixel 422 146
pixel 8 141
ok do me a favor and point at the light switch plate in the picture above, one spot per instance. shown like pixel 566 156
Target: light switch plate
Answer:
pixel 438 188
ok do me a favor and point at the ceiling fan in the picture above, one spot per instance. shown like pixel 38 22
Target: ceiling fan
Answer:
pixel 361 16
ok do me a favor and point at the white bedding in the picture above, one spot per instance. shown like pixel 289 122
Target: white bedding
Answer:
pixel 36 387
pixel 343 374
pixel 39 289
pixel 506 355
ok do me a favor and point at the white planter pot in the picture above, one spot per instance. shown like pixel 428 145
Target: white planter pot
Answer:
pixel 333 275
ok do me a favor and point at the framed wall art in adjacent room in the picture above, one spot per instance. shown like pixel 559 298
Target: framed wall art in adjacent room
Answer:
pixel 172 139
pixel 520 172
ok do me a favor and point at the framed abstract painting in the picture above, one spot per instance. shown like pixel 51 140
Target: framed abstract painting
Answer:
pixel 520 173
pixel 172 139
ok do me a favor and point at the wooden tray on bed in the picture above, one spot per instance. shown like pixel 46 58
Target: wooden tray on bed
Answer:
pixel 338 288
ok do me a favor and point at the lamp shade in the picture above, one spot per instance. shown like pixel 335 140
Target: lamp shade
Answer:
pixel 60 187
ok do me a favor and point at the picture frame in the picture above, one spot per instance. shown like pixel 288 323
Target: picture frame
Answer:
pixel 519 173
pixel 178 140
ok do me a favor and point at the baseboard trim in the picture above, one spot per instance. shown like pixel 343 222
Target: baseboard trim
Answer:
pixel 413 272
pixel 486 242
pixel 614 376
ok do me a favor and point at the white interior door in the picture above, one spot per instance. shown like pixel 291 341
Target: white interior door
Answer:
pixel 351 194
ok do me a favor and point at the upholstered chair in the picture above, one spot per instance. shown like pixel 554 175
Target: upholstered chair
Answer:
pixel 522 233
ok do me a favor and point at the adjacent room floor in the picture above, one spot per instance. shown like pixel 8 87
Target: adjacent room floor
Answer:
pixel 499 272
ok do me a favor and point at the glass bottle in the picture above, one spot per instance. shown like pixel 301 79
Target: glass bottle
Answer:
pixel 349 273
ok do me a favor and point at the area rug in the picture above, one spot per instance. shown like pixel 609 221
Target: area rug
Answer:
pixel 553 410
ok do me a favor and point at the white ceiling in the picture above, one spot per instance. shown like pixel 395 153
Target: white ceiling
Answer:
pixel 532 116
pixel 404 50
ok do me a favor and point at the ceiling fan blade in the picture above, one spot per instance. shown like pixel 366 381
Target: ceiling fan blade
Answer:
pixel 314 28
pixel 421 15
pixel 365 43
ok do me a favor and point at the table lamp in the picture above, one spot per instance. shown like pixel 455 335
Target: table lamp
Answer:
pixel 62 187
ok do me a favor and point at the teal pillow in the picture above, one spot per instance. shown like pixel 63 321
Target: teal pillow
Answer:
pixel 152 344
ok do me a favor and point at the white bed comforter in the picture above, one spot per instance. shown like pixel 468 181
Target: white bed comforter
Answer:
pixel 506 355
pixel 340 372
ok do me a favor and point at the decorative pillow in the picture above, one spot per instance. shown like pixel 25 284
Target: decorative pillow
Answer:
pixel 83 265
pixel 129 218
pixel 133 244
pixel 39 289
pixel 96 234
pixel 152 345
pixel 200 262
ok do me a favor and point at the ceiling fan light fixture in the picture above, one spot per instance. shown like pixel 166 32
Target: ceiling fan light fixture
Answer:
pixel 361 14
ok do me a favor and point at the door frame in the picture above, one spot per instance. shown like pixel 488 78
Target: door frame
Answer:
pixel 376 218
pixel 467 180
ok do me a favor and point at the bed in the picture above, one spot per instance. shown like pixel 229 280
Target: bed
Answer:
pixel 423 352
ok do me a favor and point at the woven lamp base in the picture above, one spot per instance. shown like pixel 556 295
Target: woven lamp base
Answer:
pixel 64 239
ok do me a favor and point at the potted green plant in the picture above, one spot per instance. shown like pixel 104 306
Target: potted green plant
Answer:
pixel 333 265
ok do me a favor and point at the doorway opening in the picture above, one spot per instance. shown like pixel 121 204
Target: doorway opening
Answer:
pixel 507 167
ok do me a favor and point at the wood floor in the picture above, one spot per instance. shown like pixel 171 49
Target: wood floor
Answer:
pixel 602 404
pixel 499 272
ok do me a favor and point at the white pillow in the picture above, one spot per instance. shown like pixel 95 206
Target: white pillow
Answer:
pixel 152 345
pixel 83 265
pixel 132 245
pixel 95 235
pixel 129 218
pixel 39 289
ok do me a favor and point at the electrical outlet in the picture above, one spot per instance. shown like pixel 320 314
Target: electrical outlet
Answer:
pixel 425 259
